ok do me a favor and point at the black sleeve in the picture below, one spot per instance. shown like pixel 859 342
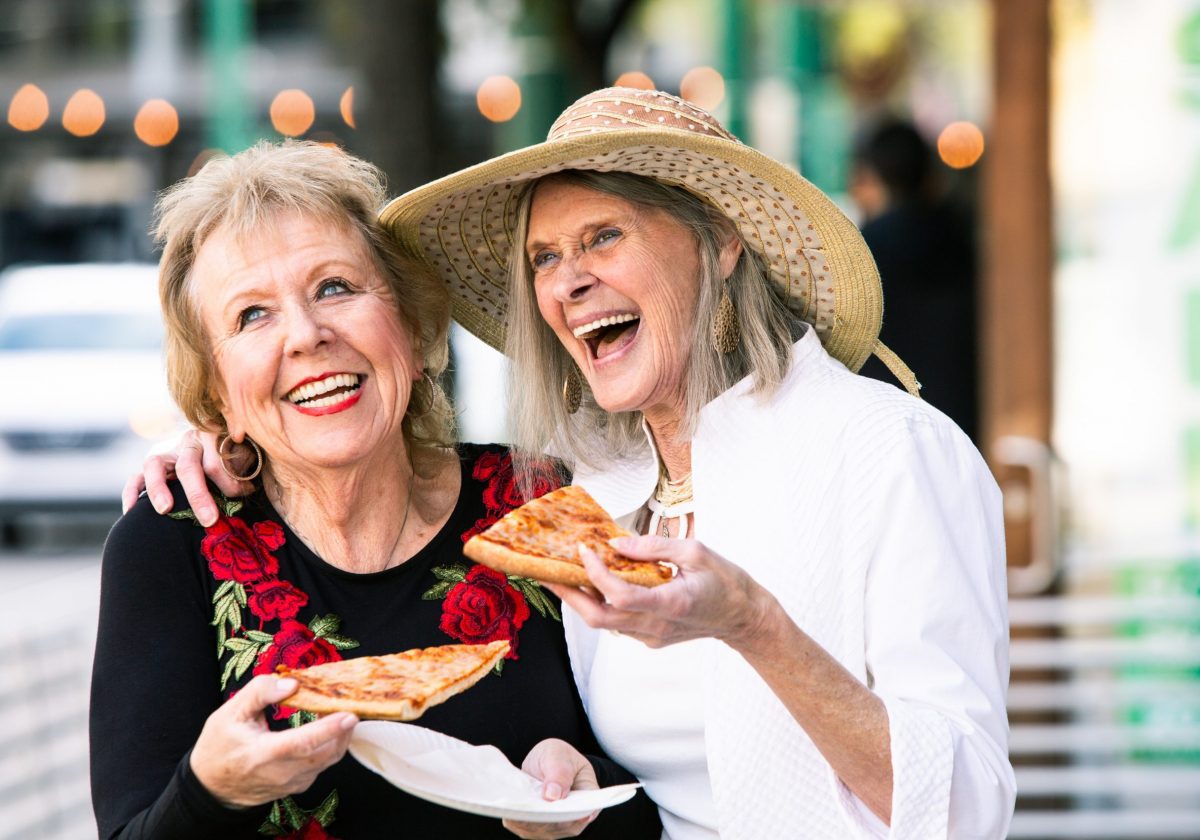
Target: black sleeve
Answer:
pixel 636 818
pixel 154 683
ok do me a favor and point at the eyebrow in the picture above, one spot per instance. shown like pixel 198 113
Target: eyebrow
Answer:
pixel 592 223
pixel 325 267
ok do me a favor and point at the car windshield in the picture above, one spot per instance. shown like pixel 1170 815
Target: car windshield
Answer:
pixel 81 331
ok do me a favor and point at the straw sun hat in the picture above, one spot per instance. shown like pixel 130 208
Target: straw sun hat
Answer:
pixel 463 224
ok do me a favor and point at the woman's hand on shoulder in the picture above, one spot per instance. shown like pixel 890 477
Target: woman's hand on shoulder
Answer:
pixel 709 597
pixel 561 769
pixel 243 763
pixel 191 458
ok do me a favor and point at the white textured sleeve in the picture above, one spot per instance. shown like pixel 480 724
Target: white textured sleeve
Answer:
pixel 936 619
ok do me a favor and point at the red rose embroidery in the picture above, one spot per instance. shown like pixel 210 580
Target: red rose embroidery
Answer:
pixel 273 599
pixel 502 494
pixel 235 552
pixel 295 646
pixel 311 830
pixel 483 608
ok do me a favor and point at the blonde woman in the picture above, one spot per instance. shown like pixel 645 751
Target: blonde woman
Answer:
pixel 300 333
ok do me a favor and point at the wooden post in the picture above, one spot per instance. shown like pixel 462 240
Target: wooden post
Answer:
pixel 1016 297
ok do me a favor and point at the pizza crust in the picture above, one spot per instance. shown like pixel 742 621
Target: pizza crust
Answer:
pixel 390 687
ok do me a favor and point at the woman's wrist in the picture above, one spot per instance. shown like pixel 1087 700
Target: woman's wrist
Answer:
pixel 757 622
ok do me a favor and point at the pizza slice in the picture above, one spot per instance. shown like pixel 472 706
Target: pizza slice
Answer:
pixel 540 540
pixel 398 686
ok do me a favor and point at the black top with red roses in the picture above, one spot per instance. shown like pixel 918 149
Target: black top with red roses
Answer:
pixel 188 615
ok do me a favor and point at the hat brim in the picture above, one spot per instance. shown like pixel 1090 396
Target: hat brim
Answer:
pixel 809 246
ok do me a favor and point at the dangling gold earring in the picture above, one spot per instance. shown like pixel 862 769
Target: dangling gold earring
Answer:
pixel 572 389
pixel 725 330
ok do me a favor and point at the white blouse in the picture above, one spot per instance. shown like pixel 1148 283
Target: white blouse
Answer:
pixel 658 730
pixel 876 524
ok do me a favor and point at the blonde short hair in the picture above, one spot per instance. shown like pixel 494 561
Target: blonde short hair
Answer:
pixel 250 190
pixel 538 419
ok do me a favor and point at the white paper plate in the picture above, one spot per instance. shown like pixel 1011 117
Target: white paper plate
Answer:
pixel 478 780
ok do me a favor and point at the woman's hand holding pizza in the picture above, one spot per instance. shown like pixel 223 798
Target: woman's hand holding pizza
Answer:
pixel 243 763
pixel 709 596
pixel 561 768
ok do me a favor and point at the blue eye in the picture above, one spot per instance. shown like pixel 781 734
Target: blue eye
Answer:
pixel 335 286
pixel 249 315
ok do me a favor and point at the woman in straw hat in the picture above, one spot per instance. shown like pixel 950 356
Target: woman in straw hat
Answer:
pixel 684 317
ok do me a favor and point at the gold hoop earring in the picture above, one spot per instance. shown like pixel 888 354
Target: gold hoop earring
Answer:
pixel 222 442
pixel 433 389
pixel 726 333
pixel 572 389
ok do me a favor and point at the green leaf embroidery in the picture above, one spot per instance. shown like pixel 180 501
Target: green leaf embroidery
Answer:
pixel 239 592
pixel 220 639
pixel 340 642
pixel 273 825
pixel 322 625
pixel 324 812
pixel 260 637
pixel 230 506
pixel 437 591
pixel 498 667
pixel 450 574
pixel 223 590
pixel 244 660
pixel 184 514
pixel 296 817
pixel 536 596
pixel 237 644
pixel 287 816
pixel 228 672
pixel 299 718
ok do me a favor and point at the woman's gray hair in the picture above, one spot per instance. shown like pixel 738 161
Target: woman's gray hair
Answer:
pixel 248 192
pixel 538 420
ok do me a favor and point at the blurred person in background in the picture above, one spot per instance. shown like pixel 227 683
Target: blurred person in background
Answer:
pixel 297 329
pixel 924 245
pixel 683 316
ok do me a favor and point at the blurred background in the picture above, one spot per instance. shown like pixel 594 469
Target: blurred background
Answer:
pixel 1027 173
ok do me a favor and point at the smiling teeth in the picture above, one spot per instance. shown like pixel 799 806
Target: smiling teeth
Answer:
pixel 307 392
pixel 580 332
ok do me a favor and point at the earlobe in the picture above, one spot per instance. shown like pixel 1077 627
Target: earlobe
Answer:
pixel 731 251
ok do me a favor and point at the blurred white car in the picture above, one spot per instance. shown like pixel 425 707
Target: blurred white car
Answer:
pixel 82 386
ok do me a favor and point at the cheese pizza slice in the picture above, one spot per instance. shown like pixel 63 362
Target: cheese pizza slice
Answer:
pixel 540 540
pixel 398 686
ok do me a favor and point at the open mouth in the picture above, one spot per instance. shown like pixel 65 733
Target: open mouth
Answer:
pixel 325 392
pixel 605 336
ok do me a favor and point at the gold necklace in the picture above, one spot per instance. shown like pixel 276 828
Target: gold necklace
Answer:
pixel 671 492
pixel 668 495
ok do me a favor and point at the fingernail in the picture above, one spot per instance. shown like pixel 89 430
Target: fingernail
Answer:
pixel 161 500
pixel 618 542
pixel 207 516
pixel 348 722
pixel 285 686
pixel 553 791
